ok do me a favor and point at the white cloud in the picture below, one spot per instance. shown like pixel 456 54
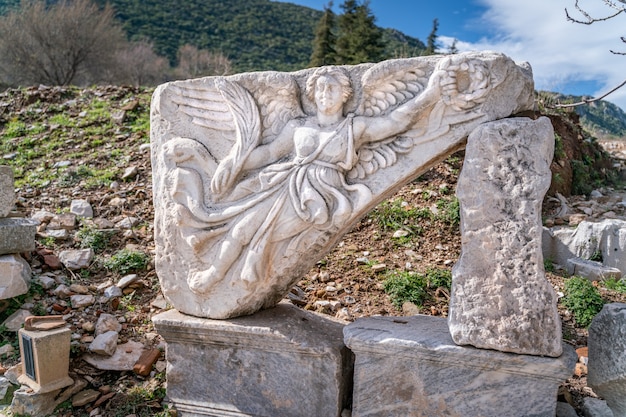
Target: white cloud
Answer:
pixel 560 52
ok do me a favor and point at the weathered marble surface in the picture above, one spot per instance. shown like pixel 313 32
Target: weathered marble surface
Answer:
pixel 17 235
pixel 607 356
pixel 278 362
pixel 258 175
pixel 501 298
pixel 7 191
pixel 410 366
pixel 607 237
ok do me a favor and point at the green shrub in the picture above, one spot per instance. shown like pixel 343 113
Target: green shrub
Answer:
pixel 405 286
pixel 582 299
pixel 95 239
pixel 125 261
pixel 618 285
pixel 402 286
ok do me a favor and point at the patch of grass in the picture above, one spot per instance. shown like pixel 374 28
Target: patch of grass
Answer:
pixel 403 286
pixel 15 128
pixel 98 240
pixel 395 215
pixel 582 299
pixel 548 265
pixel 613 284
pixel 141 402
pixel 449 211
pixel 126 261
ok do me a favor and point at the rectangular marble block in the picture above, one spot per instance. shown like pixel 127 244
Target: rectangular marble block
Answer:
pixel 410 366
pixel 278 362
pixel 17 235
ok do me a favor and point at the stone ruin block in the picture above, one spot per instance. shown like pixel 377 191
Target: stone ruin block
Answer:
pixel 607 356
pixel 7 192
pixel 279 362
pixel 410 366
pixel 17 235
pixel 501 298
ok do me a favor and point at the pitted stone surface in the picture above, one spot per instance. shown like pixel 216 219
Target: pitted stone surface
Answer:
pixel 501 298
pixel 607 356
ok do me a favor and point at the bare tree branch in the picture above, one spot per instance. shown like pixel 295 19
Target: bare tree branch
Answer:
pixel 590 20
pixel 588 100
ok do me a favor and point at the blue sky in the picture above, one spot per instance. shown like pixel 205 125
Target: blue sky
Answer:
pixel 566 57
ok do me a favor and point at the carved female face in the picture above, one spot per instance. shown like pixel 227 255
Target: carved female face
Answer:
pixel 329 94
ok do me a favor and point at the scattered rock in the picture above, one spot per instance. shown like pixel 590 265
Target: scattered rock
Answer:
pixel 106 323
pixel 130 173
pixel 15 276
pixel 82 300
pixel 595 407
pixel 105 343
pixel 81 208
pixel 76 259
pixel 85 397
pixel 113 291
pixel 125 281
pixel 159 302
pixel 16 320
pixel 124 358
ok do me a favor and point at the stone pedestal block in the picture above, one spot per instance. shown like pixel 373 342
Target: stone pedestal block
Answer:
pixel 7 192
pixel 410 366
pixel 17 235
pixel 45 359
pixel 279 362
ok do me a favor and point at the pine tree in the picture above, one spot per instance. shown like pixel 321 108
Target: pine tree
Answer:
pixel 359 39
pixel 324 43
pixel 431 41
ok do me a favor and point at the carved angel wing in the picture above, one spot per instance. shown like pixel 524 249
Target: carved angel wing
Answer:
pixel 204 104
pixel 385 86
pixel 278 97
pixel 388 84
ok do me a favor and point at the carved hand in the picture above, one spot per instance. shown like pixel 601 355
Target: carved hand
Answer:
pixel 223 177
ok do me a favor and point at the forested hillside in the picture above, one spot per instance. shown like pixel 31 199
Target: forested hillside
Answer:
pixel 253 34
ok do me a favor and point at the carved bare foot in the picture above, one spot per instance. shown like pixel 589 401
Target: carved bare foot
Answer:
pixel 201 282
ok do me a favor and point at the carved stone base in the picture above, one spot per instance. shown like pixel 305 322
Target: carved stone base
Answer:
pixel 278 362
pixel 410 366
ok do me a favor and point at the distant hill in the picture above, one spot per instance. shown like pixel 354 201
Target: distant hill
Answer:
pixel 254 34
pixel 603 119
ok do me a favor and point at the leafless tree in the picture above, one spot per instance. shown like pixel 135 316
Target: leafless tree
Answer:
pixel 69 42
pixel 194 62
pixel 618 7
pixel 139 65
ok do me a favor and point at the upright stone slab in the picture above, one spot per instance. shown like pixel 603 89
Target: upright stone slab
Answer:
pixel 256 176
pixel 410 366
pixel 607 356
pixel 7 192
pixel 279 362
pixel 501 298
pixel 17 235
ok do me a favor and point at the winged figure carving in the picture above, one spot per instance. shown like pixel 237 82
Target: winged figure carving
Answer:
pixel 263 167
